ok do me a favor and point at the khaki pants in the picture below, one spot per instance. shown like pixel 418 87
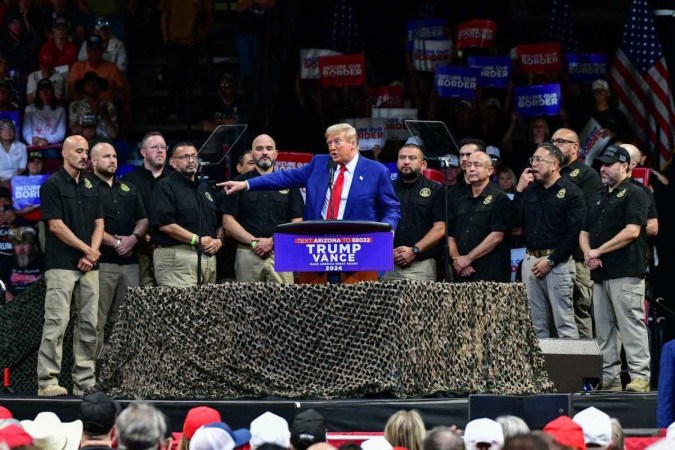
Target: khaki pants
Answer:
pixel 424 270
pixel 249 267
pixel 177 266
pixel 551 295
pixel 114 279
pixel 618 307
pixel 583 300
pixel 63 288
pixel 146 270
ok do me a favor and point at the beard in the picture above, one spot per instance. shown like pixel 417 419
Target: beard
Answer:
pixel 264 164
pixel 22 260
pixel 409 176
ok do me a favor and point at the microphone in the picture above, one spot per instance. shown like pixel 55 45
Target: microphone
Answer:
pixel 331 172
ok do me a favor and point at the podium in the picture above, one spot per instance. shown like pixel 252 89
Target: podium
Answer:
pixel 334 251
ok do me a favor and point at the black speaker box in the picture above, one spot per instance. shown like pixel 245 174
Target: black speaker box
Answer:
pixel 535 410
pixel 573 365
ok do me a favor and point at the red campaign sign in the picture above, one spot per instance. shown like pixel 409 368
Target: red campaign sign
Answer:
pixel 476 33
pixel 539 58
pixel 292 160
pixel 387 96
pixel 642 175
pixel 434 175
pixel 342 70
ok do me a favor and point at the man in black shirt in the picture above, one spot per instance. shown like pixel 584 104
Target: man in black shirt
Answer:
pixel 614 252
pixel 479 218
pixel 652 228
pixel 26 268
pixel 185 223
pixel 98 413
pixel 73 216
pixel 588 180
pixel 126 225
pixel 153 150
pixel 551 210
pixel 252 216
pixel 422 223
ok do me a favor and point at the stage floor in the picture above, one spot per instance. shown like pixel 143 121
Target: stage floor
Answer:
pixel 637 412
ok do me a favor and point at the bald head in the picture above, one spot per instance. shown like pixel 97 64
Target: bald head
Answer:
pixel 634 153
pixel 321 446
pixel 73 142
pixel 74 152
pixel 104 159
pixel 100 147
pixel 568 143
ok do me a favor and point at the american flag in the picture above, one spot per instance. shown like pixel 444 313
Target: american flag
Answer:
pixel 639 78
pixel 560 27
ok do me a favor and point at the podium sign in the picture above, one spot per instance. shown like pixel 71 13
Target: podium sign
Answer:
pixel 345 250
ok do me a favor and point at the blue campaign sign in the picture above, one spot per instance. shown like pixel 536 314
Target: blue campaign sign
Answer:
pixel 26 190
pixel 457 82
pixel 494 70
pixel 586 67
pixel 349 253
pixel 425 29
pixel 543 100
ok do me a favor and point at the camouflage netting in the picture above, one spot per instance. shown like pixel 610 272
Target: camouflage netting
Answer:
pixel 308 341
pixel 325 341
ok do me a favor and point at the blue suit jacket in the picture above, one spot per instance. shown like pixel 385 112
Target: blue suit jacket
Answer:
pixel 371 195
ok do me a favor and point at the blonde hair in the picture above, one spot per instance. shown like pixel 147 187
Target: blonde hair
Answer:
pixel 348 130
pixel 405 429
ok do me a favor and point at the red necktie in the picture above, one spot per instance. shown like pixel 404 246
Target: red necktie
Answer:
pixel 336 195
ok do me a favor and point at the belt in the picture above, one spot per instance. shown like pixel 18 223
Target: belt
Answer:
pixel 538 253
pixel 180 246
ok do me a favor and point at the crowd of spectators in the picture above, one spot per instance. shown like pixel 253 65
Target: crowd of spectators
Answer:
pixel 102 424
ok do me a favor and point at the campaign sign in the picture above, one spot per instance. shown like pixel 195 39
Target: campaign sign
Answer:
pixel 387 96
pixel 428 55
pixel 371 132
pixel 394 121
pixel 543 100
pixel 309 61
pixel 592 140
pixel 393 170
pixel 586 67
pixel 427 29
pixel 641 174
pixel 354 252
pixel 457 82
pixel 292 160
pixel 342 70
pixel 539 58
pixel 494 70
pixel 476 33
pixel 26 190
pixel 517 257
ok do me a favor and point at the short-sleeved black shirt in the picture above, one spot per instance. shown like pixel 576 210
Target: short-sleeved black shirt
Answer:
pixel 422 204
pixel 174 200
pixel 473 219
pixel 585 177
pixel 123 207
pixel 77 204
pixel 551 218
pixel 608 214
pixel 259 212
pixel 145 181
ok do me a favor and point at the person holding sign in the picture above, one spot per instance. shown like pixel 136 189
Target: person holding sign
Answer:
pixel 551 210
pixel 422 223
pixel 13 156
pixel 365 192
pixel 588 180
pixel 73 215
pixel 479 218
pixel 613 250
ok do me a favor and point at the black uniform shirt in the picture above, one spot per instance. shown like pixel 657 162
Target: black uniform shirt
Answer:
pixel 77 205
pixel 145 181
pixel 585 177
pixel 552 218
pixel 422 205
pixel 473 219
pixel 123 207
pixel 175 200
pixel 608 214
pixel 259 212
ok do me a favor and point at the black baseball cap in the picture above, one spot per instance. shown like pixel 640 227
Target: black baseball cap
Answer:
pixel 308 428
pixel 98 413
pixel 614 153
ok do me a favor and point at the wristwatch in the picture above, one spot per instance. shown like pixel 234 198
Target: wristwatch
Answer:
pixel 415 250
pixel 551 263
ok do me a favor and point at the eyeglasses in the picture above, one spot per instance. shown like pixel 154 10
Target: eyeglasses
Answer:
pixel 192 157
pixel 539 160
pixel 560 141
pixel 158 148
pixel 6 128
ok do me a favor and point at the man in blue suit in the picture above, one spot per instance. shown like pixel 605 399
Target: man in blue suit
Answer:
pixel 342 185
